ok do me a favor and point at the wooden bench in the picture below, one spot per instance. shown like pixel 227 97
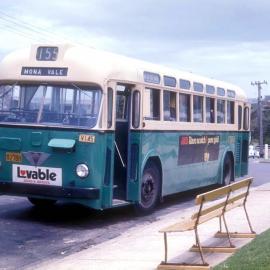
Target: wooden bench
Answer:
pixel 212 204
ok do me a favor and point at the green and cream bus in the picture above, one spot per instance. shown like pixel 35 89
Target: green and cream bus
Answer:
pixel 102 130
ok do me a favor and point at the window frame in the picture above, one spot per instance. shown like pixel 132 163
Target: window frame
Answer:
pixel 158 97
pixel 136 108
pixel 240 116
pixel 208 87
pixel 219 102
pixel 171 117
pixel 169 81
pixel 198 87
pixel 246 122
pixel 211 117
pixel 109 107
pixel 221 91
pixel 188 108
pixel 184 84
pixel 201 107
pixel 230 108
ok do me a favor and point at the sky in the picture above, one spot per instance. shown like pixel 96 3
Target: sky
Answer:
pixel 222 39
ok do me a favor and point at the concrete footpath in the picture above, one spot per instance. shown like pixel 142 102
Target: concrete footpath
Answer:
pixel 142 247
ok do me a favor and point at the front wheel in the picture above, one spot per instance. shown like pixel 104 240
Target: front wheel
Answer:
pixel 227 170
pixel 150 189
pixel 41 202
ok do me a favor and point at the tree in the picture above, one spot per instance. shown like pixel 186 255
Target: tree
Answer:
pixel 254 127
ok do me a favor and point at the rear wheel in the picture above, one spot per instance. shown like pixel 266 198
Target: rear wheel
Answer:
pixel 41 202
pixel 150 189
pixel 227 170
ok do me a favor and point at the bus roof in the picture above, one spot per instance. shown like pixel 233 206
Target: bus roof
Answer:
pixel 85 65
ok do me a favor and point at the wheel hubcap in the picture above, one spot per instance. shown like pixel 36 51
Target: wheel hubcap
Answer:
pixel 148 190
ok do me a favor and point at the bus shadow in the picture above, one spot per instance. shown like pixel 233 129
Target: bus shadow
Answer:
pixel 181 199
pixel 67 228
pixel 75 216
pixel 67 215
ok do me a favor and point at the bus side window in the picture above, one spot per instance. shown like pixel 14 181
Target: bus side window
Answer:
pixel 197 108
pixel 151 104
pixel 221 111
pixel 109 107
pixel 246 118
pixel 239 117
pixel 230 112
pixel 184 108
pixel 136 109
pixel 169 105
pixel 210 110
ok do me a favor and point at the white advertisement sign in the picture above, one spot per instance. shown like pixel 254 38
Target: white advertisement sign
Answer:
pixel 37 175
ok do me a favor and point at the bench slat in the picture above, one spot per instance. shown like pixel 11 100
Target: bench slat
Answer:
pixel 189 224
pixel 218 212
pixel 220 205
pixel 185 225
pixel 211 195
pixel 214 210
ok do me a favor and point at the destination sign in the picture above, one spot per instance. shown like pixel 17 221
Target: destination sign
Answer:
pixel 44 71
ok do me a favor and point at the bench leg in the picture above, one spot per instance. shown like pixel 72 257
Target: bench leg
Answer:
pixel 201 249
pixel 220 224
pixel 252 233
pixel 165 247
pixel 248 220
pixel 227 231
pixel 182 266
pixel 225 234
pixel 198 245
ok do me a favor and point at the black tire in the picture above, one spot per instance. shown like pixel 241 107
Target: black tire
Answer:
pixel 41 202
pixel 150 189
pixel 227 171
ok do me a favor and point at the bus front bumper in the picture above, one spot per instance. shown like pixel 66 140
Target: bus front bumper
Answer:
pixel 49 191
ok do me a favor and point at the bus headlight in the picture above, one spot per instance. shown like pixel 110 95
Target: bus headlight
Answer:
pixel 82 170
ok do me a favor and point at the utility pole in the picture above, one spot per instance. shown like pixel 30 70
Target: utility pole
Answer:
pixel 259 112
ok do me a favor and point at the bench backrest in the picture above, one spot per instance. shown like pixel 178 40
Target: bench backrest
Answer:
pixel 228 197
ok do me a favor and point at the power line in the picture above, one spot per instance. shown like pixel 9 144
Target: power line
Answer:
pixel 27 27
pixel 19 26
pixel 21 32
pixel 32 32
pixel 31 27
pixel 10 28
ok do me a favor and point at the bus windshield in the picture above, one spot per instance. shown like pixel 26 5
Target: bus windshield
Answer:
pixel 55 105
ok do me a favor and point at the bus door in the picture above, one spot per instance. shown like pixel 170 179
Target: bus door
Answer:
pixel 123 94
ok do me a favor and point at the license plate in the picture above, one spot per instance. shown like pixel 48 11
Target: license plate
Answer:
pixel 13 157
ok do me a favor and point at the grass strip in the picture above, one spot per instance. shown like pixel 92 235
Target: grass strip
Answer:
pixel 253 256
